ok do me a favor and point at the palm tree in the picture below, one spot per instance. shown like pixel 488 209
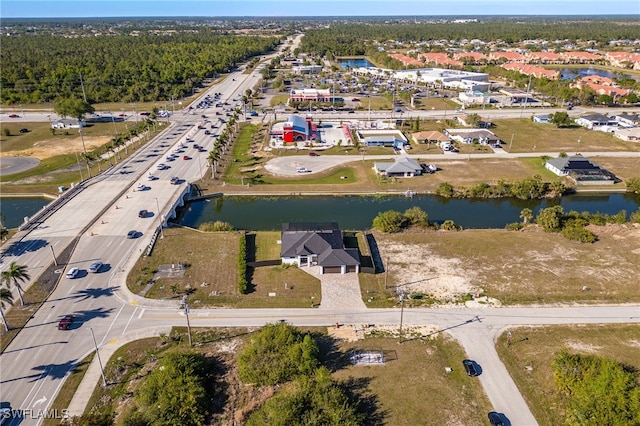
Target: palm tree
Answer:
pixel 15 275
pixel 526 215
pixel 5 297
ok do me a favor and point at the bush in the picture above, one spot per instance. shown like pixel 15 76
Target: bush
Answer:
pixel 178 392
pixel 417 217
pixel 277 354
pixel 576 232
pixel 243 285
pixel 515 226
pixel 449 225
pixel 635 217
pixel 633 185
pixel 6 132
pixel 217 226
pixel 390 221
pixel 445 190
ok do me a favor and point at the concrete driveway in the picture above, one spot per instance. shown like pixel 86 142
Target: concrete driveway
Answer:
pixel 339 291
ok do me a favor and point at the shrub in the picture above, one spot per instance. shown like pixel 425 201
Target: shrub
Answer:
pixel 515 226
pixel 6 132
pixel 243 285
pixel 449 225
pixel 217 226
pixel 390 221
pixel 445 190
pixel 633 185
pixel 276 354
pixel 416 216
pixel 635 217
pixel 576 232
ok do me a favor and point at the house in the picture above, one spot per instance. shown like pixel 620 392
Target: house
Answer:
pixel 468 136
pixel 580 170
pixel 627 120
pixel 465 120
pixel 67 123
pixel 430 137
pixel 541 118
pixel 401 167
pixel 384 140
pixel 321 244
pixel 629 134
pixel 597 122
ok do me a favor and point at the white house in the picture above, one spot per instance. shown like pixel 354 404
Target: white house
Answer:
pixel 67 123
pixel 401 167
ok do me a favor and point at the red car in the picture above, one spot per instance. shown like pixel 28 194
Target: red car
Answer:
pixel 122 115
pixel 186 157
pixel 313 154
pixel 66 322
pixel 14 116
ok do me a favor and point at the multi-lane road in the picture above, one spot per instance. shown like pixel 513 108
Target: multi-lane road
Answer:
pixel 35 364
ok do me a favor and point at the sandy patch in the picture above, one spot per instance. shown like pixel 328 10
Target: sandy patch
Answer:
pixel 444 279
pixel 51 147
pixel 583 347
pixel 353 333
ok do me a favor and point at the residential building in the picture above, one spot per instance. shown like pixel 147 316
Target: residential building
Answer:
pixel 401 167
pixel 580 170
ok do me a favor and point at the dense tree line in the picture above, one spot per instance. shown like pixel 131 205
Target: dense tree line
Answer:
pixel 346 39
pixel 599 391
pixel 525 189
pixel 42 68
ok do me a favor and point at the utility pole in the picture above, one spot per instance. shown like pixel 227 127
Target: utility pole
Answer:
pixel 185 306
pixel 84 94
pixel 104 380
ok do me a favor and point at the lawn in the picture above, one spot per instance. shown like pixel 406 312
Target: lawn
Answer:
pixel 529 358
pixel 212 275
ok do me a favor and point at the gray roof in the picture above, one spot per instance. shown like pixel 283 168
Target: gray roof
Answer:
pixel 575 162
pixel 400 165
pixel 322 239
pixel 596 118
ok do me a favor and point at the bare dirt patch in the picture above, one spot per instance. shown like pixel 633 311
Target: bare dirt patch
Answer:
pixel 53 147
pixel 530 266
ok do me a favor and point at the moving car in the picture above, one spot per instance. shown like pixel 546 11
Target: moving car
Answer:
pixel 132 234
pixel 14 116
pixel 186 157
pixel 142 187
pixel 161 166
pixel 95 266
pixel 313 154
pixel 470 367
pixel 65 322
pixel 143 213
pixel 152 177
pixel 72 273
pixel 303 170
pixel 175 180
pixel 495 419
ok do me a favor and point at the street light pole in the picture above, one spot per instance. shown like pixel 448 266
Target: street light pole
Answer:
pixel 104 380
pixel 402 297
pixel 161 219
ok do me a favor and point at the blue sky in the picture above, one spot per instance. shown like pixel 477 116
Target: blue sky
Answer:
pixel 213 8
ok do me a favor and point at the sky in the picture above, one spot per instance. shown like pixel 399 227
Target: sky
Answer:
pixel 226 8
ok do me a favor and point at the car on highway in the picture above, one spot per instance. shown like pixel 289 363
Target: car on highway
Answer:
pixel 132 234
pixel 72 273
pixel 14 116
pixel 65 322
pixel 162 166
pixel 95 266
pixel 186 157
pixel 143 213
pixel 398 110
pixel 355 100
pixel 303 170
pixel 122 115
pixel 146 114
pixel 470 367
pixel 152 177
pixel 142 187
pixel 175 180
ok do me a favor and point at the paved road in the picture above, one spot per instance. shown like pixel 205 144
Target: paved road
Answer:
pixel 36 363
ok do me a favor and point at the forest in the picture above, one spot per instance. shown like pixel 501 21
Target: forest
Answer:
pixel 122 68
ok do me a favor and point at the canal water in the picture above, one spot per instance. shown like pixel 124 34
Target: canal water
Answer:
pixel 15 209
pixel 572 73
pixel 357 212
pixel 347 63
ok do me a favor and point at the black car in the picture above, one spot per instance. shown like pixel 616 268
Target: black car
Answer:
pixel 495 419
pixel 470 367
pixel 143 213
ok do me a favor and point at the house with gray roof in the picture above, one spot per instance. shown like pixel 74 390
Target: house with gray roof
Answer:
pixel 580 170
pixel 597 122
pixel 401 167
pixel 318 244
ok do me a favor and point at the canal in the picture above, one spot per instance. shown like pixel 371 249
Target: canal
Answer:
pixel 357 212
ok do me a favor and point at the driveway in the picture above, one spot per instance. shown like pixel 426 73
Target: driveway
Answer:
pixel 339 291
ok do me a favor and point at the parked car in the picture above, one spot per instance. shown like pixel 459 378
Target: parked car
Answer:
pixel 65 322
pixel 143 213
pixel 495 419
pixel 95 266
pixel 313 154
pixel 24 130
pixel 470 367
pixel 72 273
pixel 132 234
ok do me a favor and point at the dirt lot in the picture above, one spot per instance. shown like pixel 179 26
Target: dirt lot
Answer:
pixel 528 266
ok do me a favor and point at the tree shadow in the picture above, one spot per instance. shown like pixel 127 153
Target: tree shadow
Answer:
pixel 250 258
pixel 23 246
pixel 52 371
pixel 367 402
pixel 93 293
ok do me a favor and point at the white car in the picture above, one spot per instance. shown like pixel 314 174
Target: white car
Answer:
pixel 303 170
pixel 72 273
pixel 152 177
pixel 161 166
pixel 142 187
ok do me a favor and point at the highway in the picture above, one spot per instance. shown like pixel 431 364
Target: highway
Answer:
pixel 35 364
